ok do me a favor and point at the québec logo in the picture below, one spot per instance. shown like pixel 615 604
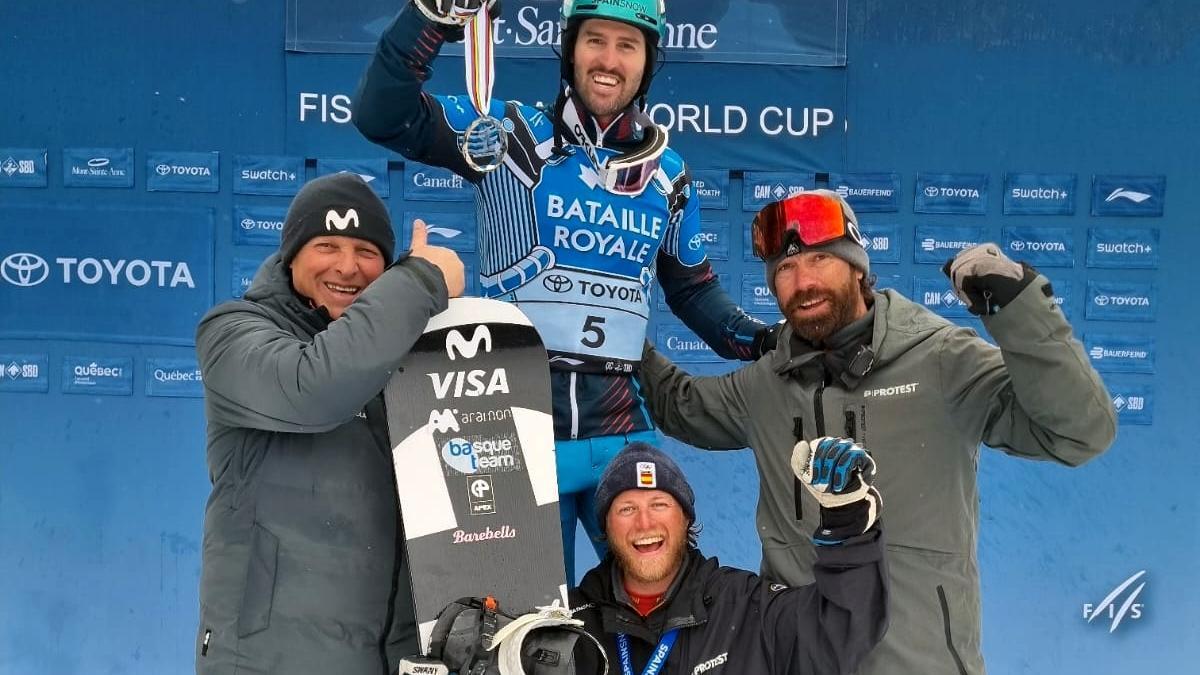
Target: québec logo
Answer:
pixel 1129 607
pixel 1131 195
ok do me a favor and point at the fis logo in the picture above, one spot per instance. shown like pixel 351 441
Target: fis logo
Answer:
pixel 1129 607
pixel 335 221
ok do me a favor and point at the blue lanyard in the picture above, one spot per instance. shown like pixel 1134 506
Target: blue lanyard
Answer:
pixel 657 659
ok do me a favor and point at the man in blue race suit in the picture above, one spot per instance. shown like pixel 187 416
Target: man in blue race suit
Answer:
pixel 588 207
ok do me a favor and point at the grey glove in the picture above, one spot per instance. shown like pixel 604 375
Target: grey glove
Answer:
pixel 452 12
pixel 837 472
pixel 986 279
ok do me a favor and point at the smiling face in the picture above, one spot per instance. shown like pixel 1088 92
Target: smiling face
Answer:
pixel 609 61
pixel 332 271
pixel 647 532
pixel 818 294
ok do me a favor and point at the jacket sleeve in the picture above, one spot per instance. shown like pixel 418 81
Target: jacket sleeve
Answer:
pixel 694 293
pixel 260 376
pixel 704 411
pixel 830 625
pixel 1037 396
pixel 390 107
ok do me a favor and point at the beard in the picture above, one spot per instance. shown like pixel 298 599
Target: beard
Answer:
pixel 840 311
pixel 649 571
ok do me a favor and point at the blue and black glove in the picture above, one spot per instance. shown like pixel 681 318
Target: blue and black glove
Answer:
pixel 838 472
pixel 986 279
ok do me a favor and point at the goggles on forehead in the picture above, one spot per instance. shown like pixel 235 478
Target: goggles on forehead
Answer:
pixel 629 173
pixel 814 219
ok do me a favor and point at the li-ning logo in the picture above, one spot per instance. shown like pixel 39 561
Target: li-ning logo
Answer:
pixel 335 221
pixel 1122 193
pixel 1108 606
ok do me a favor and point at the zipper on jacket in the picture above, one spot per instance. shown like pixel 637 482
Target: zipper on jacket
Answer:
pixel 852 427
pixel 798 488
pixel 572 397
pixel 941 591
pixel 204 644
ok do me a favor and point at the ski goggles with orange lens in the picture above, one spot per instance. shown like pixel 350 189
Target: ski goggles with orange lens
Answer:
pixel 814 219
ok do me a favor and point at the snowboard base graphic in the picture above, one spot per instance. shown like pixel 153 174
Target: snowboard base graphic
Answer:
pixel 472 438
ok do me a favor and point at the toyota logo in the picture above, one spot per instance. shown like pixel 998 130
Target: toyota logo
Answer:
pixel 247 223
pixel 931 191
pixel 558 283
pixel 162 169
pixel 1102 300
pixel 1017 245
pixel 24 269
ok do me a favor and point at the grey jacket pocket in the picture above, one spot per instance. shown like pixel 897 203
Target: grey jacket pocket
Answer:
pixel 260 582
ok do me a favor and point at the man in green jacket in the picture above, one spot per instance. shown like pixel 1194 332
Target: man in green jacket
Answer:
pixel 303 568
pixel 922 393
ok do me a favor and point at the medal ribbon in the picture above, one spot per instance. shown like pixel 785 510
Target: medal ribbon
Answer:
pixel 479 61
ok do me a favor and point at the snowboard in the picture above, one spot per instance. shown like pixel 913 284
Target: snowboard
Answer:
pixel 472 439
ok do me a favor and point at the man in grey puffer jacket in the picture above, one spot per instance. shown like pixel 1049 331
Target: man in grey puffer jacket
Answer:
pixel 922 393
pixel 303 566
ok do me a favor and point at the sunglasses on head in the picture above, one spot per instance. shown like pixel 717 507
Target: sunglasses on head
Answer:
pixel 814 219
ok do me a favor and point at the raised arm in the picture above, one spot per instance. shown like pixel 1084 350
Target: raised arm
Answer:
pixel 693 291
pixel 390 107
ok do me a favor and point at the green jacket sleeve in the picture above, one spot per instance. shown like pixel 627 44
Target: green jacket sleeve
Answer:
pixel 704 411
pixel 259 375
pixel 1037 396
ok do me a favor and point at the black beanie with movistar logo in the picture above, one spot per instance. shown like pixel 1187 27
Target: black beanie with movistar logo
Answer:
pixel 341 204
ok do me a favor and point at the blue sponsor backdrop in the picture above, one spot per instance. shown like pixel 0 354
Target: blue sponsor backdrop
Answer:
pixel 1123 247
pixel 1039 194
pixel 183 171
pixel 103 495
pixel 23 167
pixel 97 167
pixel 712 187
pixel 1040 246
pixel 1120 353
pixel 951 193
pixel 174 377
pixel 109 376
pixel 120 274
pixel 935 244
pixel 24 373
pixel 1128 195
pixel 774 31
